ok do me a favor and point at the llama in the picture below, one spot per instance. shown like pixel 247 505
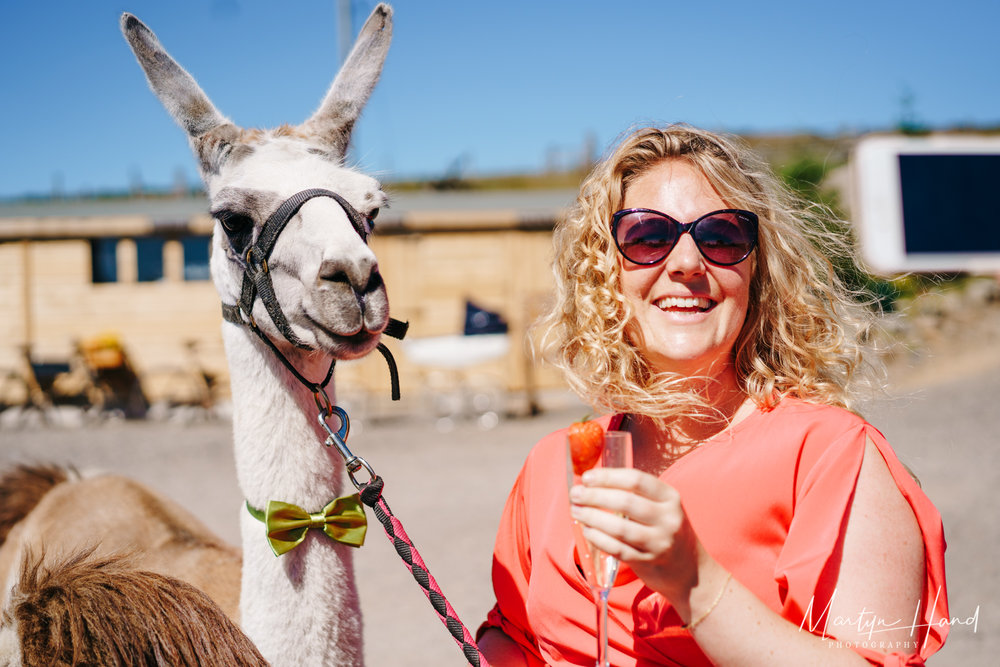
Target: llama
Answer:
pixel 301 608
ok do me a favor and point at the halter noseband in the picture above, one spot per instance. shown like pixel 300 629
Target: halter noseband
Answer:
pixel 257 282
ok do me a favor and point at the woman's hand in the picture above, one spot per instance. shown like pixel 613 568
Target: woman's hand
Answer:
pixel 639 519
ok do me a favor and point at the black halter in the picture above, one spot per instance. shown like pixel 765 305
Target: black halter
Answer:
pixel 257 282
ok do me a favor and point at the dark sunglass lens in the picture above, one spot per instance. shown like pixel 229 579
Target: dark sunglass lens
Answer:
pixel 726 238
pixel 645 238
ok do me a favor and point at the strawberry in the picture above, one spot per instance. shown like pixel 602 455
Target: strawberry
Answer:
pixel 586 440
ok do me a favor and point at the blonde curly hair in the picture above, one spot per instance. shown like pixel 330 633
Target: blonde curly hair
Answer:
pixel 806 333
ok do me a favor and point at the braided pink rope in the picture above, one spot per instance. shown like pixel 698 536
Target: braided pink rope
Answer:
pixel 411 557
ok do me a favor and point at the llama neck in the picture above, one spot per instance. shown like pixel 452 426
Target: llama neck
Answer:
pixel 279 447
pixel 301 607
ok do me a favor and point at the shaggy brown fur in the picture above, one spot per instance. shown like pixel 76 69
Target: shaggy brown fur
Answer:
pixel 22 487
pixel 91 610
pixel 110 515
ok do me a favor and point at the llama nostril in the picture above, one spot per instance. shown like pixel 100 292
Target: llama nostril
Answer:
pixel 374 282
pixel 337 277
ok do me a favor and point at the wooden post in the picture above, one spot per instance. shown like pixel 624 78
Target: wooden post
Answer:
pixel 173 261
pixel 127 261
pixel 26 305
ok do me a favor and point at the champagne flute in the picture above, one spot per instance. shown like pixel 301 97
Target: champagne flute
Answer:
pixel 599 568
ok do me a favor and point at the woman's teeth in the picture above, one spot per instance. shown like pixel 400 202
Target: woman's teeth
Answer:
pixel 684 303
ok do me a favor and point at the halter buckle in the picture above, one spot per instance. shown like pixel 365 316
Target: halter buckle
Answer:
pixel 263 260
pixel 250 320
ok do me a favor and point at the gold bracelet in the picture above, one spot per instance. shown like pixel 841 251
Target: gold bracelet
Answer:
pixel 691 626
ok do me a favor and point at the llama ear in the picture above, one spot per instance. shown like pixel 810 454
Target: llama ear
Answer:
pixel 334 120
pixel 177 90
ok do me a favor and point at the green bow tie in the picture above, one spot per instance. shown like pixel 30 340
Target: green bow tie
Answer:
pixel 343 520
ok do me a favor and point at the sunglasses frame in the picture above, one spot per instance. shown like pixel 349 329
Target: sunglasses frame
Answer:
pixel 687 228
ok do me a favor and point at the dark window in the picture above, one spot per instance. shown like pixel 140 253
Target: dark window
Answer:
pixel 946 203
pixel 149 257
pixel 104 260
pixel 196 251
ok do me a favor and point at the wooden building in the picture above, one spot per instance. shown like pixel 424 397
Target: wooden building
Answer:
pixel 134 273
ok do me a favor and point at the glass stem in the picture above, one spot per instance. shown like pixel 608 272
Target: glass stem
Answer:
pixel 602 628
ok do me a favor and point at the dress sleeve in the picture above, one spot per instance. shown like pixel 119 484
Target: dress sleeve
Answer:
pixel 511 573
pixel 808 564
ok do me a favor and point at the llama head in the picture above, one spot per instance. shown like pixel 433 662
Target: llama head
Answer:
pixel 325 277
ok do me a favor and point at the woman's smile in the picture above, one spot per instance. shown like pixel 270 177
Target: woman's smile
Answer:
pixel 682 304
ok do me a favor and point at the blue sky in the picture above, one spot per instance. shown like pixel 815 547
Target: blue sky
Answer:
pixel 492 86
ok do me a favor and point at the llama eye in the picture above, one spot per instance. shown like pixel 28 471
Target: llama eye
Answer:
pixel 238 228
pixel 234 223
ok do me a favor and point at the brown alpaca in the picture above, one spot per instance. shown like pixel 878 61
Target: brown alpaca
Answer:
pixel 55 512
pixel 22 488
pixel 91 610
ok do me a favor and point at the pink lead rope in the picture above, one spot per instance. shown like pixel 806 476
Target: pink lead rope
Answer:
pixel 371 495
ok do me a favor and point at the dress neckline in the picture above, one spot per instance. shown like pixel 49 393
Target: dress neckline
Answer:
pixel 722 437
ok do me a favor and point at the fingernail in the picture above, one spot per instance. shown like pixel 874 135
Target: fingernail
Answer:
pixel 574 511
pixel 575 492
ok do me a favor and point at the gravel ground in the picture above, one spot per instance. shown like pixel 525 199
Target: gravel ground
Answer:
pixel 449 488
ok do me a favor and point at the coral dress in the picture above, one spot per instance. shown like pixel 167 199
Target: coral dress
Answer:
pixel 768 497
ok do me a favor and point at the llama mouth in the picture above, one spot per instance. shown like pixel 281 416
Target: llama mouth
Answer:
pixel 360 338
pixel 356 344
pixel 685 304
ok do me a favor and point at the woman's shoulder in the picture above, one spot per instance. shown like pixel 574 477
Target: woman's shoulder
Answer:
pixel 804 432
pixel 795 414
pixel 816 434
pixel 794 406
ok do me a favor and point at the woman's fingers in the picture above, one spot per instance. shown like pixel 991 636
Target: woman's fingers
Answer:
pixel 628 513
pixel 639 519
pixel 616 501
pixel 635 494
pixel 652 536
pixel 611 546
pixel 639 528
pixel 628 479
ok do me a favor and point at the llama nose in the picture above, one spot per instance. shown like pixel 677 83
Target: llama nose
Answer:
pixel 362 276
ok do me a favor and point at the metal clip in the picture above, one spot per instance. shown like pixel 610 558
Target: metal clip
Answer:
pixel 356 464
pixel 338 438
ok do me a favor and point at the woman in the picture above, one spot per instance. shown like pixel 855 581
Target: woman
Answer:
pixel 763 523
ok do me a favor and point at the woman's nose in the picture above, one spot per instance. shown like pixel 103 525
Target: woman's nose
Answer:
pixel 685 259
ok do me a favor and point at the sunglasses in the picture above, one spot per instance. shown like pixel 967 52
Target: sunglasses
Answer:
pixel 645 236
